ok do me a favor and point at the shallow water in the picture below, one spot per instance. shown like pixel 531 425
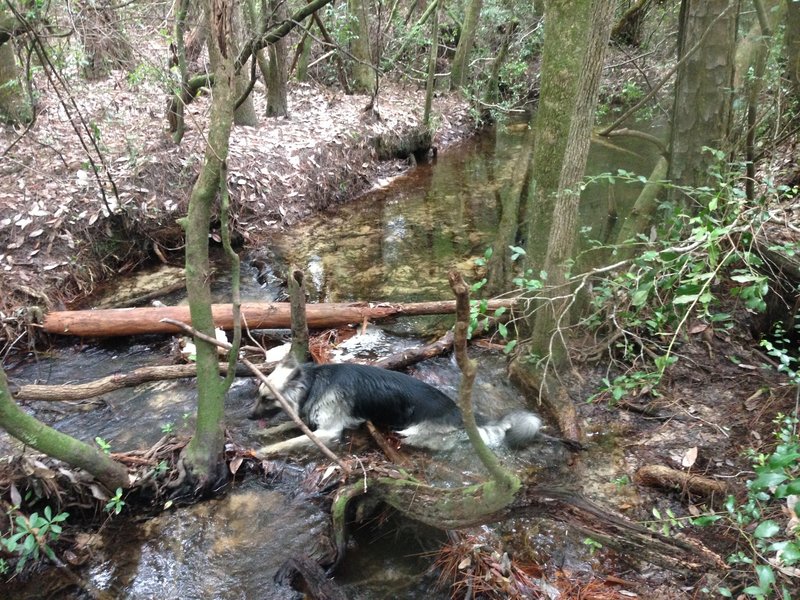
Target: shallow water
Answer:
pixel 397 244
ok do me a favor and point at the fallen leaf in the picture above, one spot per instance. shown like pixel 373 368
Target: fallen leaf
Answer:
pixel 689 457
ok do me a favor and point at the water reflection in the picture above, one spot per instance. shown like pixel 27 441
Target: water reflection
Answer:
pixel 398 243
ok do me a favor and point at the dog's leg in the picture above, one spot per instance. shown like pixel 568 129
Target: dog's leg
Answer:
pixel 276 429
pixel 301 442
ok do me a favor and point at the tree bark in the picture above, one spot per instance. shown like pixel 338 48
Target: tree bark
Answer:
pixel 363 71
pixel 458 68
pixel 792 45
pixel 203 456
pixel 36 434
pixel 135 321
pixel 579 106
pixel 703 99
pixel 430 84
pixel 277 96
pixel 15 105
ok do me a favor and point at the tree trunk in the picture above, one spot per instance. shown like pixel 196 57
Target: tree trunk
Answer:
pixel 105 45
pixel 15 106
pixel 277 102
pixel 203 455
pixel 561 239
pixel 430 84
pixel 175 114
pixel 640 217
pixel 458 69
pixel 245 114
pixel 36 434
pixel 792 45
pixel 703 99
pixel 564 37
pixel 363 72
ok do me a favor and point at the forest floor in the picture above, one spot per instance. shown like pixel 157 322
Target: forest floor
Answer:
pixel 61 236
pixel 60 240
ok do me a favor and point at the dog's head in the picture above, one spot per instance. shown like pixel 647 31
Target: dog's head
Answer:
pixel 283 374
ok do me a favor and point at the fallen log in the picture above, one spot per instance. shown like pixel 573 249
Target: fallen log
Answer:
pixel 83 391
pixel 267 315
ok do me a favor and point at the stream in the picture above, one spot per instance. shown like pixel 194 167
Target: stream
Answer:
pixel 395 243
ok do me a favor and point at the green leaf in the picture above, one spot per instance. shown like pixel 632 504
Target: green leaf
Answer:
pixel 780 460
pixel 705 520
pixel 766 529
pixel 791 553
pixel 49 553
pixel 793 487
pixel 686 299
pixel 639 297
pixel 766 576
pixel 767 480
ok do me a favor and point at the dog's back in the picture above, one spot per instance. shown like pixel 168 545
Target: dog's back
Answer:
pixel 332 397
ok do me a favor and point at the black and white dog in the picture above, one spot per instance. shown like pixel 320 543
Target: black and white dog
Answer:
pixel 330 398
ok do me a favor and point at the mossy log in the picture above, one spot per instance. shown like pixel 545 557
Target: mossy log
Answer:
pixel 448 509
pixel 443 508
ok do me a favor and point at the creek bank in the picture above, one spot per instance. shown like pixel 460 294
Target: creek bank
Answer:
pixel 62 236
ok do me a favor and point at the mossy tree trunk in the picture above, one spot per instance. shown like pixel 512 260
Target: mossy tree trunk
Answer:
pixel 363 71
pixel 564 37
pixel 36 434
pixel 203 456
pixel 458 69
pixel 576 106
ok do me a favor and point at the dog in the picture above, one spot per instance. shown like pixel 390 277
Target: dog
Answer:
pixel 330 398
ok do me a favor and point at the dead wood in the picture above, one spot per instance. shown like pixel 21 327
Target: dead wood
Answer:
pixel 666 477
pixel 84 391
pixel 307 576
pixel 676 553
pixel 390 451
pixel 412 356
pixel 267 315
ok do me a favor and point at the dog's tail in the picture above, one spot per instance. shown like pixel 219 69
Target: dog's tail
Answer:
pixel 519 429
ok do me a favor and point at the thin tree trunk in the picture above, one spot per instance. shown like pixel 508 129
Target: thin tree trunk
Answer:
pixel 277 97
pixel 203 455
pixel 458 68
pixel 363 72
pixel 177 107
pixel 431 82
pixel 36 434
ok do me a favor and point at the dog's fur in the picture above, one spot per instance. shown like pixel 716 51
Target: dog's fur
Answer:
pixel 333 397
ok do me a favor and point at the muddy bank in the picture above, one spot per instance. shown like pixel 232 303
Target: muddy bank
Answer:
pixel 65 230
